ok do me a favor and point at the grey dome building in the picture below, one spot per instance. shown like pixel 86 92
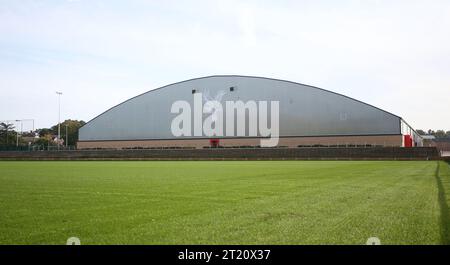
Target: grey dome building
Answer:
pixel 307 116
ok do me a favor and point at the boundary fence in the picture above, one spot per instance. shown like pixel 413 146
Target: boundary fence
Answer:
pixel 312 153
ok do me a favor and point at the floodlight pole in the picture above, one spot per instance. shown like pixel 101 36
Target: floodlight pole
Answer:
pixel 59 116
pixel 17 132
pixel 67 135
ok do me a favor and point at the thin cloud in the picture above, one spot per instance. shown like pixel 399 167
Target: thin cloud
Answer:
pixel 395 55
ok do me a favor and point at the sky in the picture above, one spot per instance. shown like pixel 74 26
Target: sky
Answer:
pixel 391 54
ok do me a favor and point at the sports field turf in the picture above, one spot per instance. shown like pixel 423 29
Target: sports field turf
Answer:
pixel 243 202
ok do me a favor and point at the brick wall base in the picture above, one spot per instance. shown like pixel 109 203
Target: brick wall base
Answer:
pixel 374 140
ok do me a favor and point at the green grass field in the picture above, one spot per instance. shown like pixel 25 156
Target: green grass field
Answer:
pixel 205 202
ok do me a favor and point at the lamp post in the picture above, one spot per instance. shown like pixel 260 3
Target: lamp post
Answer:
pixel 21 128
pixel 17 132
pixel 59 116
pixel 67 135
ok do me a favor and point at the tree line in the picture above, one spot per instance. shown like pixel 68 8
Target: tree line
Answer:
pixel 437 133
pixel 42 136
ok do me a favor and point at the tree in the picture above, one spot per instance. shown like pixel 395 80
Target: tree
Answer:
pixel 73 126
pixel 5 137
pixel 45 131
pixel 45 140
pixel 437 133
pixel 440 134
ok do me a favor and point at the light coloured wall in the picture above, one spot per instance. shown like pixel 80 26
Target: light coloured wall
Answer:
pixel 384 140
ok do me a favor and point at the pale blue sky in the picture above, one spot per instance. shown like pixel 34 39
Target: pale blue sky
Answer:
pixel 392 54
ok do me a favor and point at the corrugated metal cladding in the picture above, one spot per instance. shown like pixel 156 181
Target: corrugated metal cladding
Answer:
pixel 304 110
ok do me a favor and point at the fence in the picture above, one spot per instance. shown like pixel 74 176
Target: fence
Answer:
pixel 14 148
pixel 355 153
pixel 36 148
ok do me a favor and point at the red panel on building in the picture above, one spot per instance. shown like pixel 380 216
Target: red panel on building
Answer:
pixel 214 142
pixel 408 141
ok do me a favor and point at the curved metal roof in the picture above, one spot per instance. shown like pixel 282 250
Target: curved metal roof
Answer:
pixel 315 109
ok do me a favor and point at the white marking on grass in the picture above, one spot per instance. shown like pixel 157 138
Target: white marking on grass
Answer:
pixel 373 241
pixel 73 241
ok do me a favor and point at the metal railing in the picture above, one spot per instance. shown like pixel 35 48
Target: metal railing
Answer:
pixel 30 148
